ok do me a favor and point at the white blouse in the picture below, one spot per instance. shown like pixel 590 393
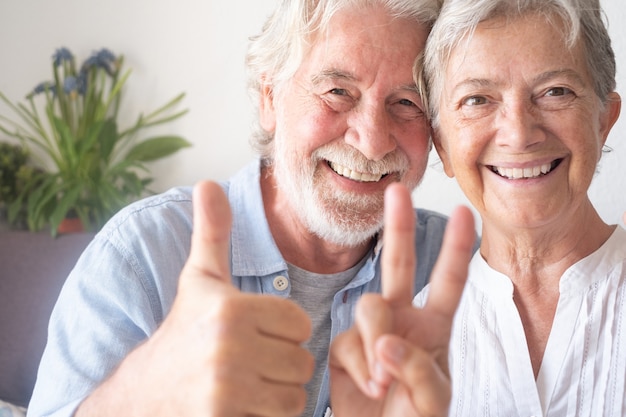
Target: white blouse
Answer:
pixel 583 372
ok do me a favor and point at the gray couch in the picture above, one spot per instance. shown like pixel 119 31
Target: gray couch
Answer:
pixel 33 267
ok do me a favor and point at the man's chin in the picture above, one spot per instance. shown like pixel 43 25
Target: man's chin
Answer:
pixel 348 240
pixel 344 232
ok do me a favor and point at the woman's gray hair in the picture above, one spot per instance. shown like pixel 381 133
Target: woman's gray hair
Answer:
pixel 583 19
pixel 276 53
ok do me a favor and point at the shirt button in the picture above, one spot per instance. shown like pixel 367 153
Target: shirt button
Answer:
pixel 280 283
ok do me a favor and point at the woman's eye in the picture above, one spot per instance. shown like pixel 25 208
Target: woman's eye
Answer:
pixel 474 101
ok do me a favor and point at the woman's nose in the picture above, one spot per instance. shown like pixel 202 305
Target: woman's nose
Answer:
pixel 519 126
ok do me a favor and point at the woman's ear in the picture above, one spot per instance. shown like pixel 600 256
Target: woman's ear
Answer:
pixel 609 116
pixel 440 146
pixel 267 113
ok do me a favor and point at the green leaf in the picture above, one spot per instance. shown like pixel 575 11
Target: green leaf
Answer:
pixel 42 201
pixel 155 148
pixel 173 102
pixel 66 145
pixel 14 209
pixel 86 143
pixel 108 139
pixel 63 206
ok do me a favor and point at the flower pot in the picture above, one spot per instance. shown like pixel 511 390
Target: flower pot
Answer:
pixel 70 225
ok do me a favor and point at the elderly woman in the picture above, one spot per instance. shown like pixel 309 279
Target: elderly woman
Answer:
pixel 522 98
pixel 522 101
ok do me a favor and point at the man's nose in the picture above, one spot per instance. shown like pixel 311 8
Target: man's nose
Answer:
pixel 370 131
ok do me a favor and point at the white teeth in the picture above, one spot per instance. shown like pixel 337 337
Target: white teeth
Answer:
pixel 520 173
pixel 354 175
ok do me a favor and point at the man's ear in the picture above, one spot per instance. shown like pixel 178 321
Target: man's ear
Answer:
pixel 610 114
pixel 267 113
pixel 443 153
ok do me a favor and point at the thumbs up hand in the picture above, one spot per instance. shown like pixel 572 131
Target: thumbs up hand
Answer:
pixel 219 352
pixel 394 360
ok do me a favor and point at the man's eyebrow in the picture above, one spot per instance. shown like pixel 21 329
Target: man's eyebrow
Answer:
pixel 332 74
pixel 413 88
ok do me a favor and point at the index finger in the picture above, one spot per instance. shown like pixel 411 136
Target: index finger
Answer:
pixel 398 257
pixel 450 272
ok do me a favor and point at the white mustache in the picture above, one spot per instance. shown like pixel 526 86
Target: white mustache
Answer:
pixel 350 158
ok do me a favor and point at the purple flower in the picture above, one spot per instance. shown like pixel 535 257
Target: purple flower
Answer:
pixel 106 56
pixel 61 55
pixel 104 59
pixel 81 83
pixel 92 61
pixel 70 84
pixel 43 87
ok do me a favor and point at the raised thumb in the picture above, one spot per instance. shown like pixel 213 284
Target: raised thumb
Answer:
pixel 212 221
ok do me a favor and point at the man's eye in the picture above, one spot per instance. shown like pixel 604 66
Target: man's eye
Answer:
pixel 407 110
pixel 338 99
pixel 474 101
pixel 339 91
pixel 406 102
pixel 558 91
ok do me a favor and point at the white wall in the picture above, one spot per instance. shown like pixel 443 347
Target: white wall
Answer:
pixel 198 46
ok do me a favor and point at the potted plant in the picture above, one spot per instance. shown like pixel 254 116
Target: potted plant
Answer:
pixel 92 167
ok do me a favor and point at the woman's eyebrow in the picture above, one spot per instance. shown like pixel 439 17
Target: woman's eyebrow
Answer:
pixel 570 74
pixel 472 83
pixel 567 73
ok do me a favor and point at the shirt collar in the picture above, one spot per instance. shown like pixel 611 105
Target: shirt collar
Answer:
pixel 254 251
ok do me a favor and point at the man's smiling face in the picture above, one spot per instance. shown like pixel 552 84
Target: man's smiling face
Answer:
pixel 349 123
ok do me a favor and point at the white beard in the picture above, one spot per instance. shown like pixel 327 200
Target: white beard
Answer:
pixel 339 217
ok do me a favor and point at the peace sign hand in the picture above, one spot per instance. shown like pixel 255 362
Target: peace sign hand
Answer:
pixel 394 360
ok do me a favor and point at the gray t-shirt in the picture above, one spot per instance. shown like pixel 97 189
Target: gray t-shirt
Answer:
pixel 315 293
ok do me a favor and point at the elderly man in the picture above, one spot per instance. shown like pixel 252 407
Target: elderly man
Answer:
pixel 245 328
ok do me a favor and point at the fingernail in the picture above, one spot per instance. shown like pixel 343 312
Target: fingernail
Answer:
pixel 374 388
pixel 396 352
pixel 380 374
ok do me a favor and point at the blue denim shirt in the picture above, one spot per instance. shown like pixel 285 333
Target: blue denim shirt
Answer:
pixel 124 284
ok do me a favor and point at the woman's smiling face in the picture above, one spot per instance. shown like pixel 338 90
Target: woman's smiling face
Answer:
pixel 521 127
